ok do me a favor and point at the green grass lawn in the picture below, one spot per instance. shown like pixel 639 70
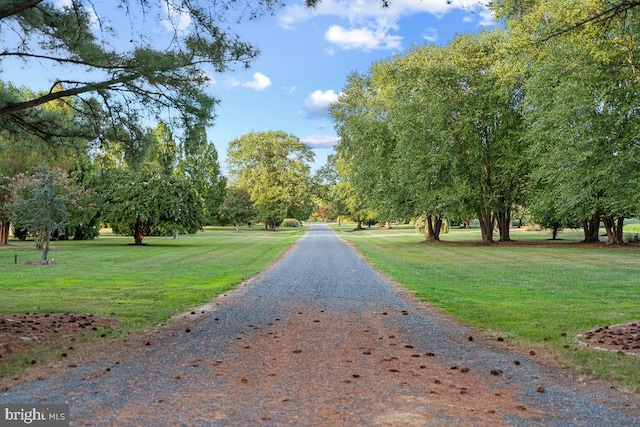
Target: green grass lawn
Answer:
pixel 540 296
pixel 140 285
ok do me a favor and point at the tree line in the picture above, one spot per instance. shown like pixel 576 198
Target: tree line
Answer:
pixel 82 153
pixel 538 116
pixel 541 115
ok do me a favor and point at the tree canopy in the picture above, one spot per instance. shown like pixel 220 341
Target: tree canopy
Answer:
pixel 274 167
pixel 113 62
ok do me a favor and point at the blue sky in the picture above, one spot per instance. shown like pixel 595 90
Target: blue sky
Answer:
pixel 306 56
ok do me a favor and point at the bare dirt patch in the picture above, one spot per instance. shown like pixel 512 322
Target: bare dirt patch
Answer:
pixel 22 332
pixel 622 338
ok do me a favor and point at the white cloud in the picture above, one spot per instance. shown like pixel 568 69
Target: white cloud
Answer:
pixel 178 21
pixel 360 11
pixel 363 38
pixel 430 34
pixel 370 25
pixel 259 82
pixel 317 103
pixel 486 18
pixel 93 18
pixel 320 141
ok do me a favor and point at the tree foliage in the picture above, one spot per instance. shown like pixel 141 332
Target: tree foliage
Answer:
pixel 116 59
pixel 46 203
pixel 436 132
pixel 274 167
pixel 202 169
pixel 146 202
pixel 237 206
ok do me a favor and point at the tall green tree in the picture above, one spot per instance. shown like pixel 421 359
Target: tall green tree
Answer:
pixel 366 147
pixel 115 72
pixel 202 168
pixel 581 108
pixel 583 135
pixel 237 206
pixel 438 132
pixel 275 168
pixel 21 152
pixel 420 121
pixel 486 129
pixel 164 151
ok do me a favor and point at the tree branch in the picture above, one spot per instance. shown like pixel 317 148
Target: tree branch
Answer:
pixel 602 16
pixel 11 8
pixel 61 60
pixel 51 96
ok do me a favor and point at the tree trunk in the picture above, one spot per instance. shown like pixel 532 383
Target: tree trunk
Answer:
pixel 619 230
pixel 467 223
pixel 358 223
pixel 609 225
pixel 138 232
pixel 591 229
pixel 614 229
pixel 137 238
pixel 554 231
pixel 434 225
pixel 4 233
pixel 504 225
pixel 486 226
pixel 45 252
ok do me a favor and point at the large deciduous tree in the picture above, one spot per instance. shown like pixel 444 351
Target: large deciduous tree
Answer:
pixel 202 169
pixel 366 146
pixel 144 202
pixel 274 167
pixel 21 152
pixel 437 132
pixel 583 133
pixel 237 206
pixel 486 129
pixel 582 113
pixel 118 57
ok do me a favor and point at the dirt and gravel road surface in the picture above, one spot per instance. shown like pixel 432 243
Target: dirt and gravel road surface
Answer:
pixel 321 339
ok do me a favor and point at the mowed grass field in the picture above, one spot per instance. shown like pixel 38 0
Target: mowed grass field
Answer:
pixel 540 294
pixel 536 293
pixel 140 285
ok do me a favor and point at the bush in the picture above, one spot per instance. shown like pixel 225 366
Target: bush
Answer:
pixel 631 228
pixel 633 238
pixel 291 222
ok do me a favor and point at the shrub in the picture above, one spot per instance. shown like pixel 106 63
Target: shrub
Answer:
pixel 291 222
pixel 631 228
pixel 632 238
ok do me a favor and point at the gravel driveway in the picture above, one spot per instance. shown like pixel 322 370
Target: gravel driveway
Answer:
pixel 321 339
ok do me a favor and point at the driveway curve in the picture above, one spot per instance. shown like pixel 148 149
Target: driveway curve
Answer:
pixel 321 339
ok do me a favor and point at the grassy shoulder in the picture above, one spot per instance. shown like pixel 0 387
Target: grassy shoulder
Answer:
pixel 142 286
pixel 537 295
